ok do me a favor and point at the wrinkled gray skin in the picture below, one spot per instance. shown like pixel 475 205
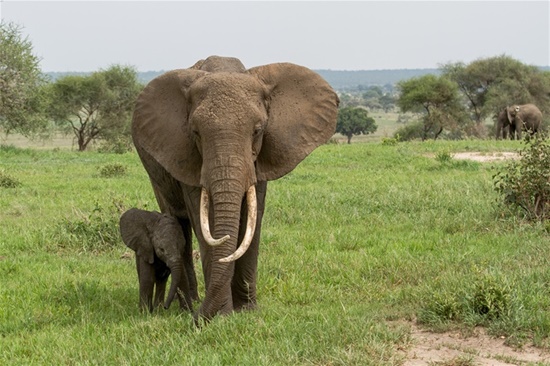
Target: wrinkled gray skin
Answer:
pixel 523 117
pixel 503 125
pixel 224 128
pixel 159 244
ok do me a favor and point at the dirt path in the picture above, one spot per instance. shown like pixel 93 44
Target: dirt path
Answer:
pixel 480 349
pixel 483 157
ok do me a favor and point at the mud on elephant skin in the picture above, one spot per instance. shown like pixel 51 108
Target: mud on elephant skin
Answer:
pixel 160 245
pixel 210 137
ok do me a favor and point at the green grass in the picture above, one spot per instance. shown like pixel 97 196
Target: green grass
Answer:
pixel 356 241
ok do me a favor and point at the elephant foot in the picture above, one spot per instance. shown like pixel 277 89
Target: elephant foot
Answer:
pixel 249 306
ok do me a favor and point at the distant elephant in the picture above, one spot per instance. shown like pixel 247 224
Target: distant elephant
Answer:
pixel 210 137
pixel 159 244
pixel 523 117
pixel 502 125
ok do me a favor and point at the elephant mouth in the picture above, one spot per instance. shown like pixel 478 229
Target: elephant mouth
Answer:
pixel 250 224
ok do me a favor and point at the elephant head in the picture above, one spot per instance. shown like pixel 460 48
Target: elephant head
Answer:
pixel 523 117
pixel 155 236
pixel 222 128
pixel 503 125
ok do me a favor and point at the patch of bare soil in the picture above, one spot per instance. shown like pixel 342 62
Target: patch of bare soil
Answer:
pixel 480 349
pixel 484 157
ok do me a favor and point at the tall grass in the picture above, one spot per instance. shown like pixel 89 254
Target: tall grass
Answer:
pixel 357 241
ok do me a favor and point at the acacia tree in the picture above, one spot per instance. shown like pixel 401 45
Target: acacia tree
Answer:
pixel 488 85
pixel 354 121
pixel 97 106
pixel 21 84
pixel 435 98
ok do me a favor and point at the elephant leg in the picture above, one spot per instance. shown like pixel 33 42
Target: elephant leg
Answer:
pixel 160 292
pixel 146 277
pixel 188 258
pixel 243 285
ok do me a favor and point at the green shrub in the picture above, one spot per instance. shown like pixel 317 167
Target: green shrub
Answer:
pixel 410 131
pixel 391 141
pixel 97 231
pixel 112 170
pixel 443 157
pixel 525 184
pixel 491 298
pixel 119 145
pixel 440 309
pixel 7 181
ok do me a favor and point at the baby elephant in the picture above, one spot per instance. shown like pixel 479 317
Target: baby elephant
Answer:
pixel 159 243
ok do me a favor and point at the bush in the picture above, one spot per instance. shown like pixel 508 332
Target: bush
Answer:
pixel 391 141
pixel 112 170
pixel 118 145
pixel 491 299
pixel 410 131
pixel 96 231
pixel 7 181
pixel 525 183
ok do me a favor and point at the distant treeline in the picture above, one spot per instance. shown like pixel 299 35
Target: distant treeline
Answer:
pixel 338 79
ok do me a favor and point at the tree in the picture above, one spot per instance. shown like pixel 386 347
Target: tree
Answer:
pixel 488 85
pixel 97 106
pixel 435 98
pixel 21 84
pixel 354 121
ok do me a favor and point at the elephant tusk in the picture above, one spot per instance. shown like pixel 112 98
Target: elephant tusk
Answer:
pixel 205 226
pixel 250 226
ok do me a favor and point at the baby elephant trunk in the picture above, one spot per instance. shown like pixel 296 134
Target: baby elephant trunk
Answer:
pixel 178 287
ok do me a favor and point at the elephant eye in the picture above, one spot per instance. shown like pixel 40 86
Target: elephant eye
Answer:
pixel 258 130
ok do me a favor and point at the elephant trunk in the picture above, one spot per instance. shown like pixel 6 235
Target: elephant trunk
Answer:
pixel 226 180
pixel 178 278
pixel 218 275
pixel 250 224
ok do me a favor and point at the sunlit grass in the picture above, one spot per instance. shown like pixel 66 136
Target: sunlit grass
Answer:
pixel 356 241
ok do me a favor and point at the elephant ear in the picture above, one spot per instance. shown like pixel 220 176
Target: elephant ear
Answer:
pixel 302 115
pixel 160 124
pixel 134 225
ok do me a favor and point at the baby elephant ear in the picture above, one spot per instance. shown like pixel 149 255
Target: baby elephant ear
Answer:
pixel 302 115
pixel 133 229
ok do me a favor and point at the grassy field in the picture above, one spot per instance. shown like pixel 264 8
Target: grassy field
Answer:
pixel 358 241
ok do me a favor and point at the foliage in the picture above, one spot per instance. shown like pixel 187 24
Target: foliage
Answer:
pixel 490 84
pixel 413 130
pixel 91 232
pixel 391 141
pixel 443 157
pixel 373 97
pixel 116 144
pixel 354 121
pixel 112 170
pixel 7 181
pixel 435 99
pixel 525 183
pixel 97 106
pixel 21 84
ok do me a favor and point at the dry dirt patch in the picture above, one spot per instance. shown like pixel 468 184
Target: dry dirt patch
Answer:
pixel 430 349
pixel 484 157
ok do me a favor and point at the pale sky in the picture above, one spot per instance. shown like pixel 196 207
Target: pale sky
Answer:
pixel 335 35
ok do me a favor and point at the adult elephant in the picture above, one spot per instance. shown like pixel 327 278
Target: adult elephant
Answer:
pixel 503 125
pixel 210 137
pixel 523 117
